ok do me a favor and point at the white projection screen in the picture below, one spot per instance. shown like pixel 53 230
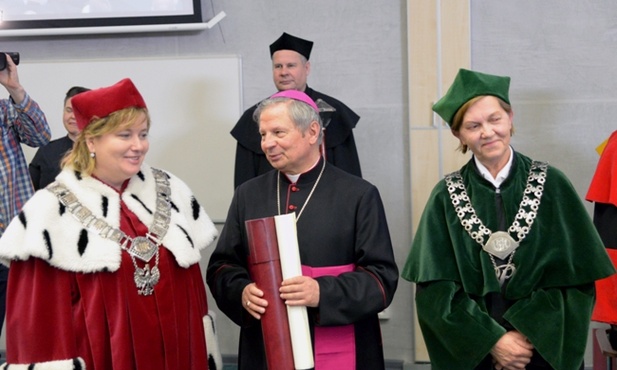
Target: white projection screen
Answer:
pixel 48 17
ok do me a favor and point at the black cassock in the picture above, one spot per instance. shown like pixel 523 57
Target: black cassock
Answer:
pixel 342 224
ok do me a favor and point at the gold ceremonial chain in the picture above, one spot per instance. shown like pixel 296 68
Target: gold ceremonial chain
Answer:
pixel 142 247
pixel 500 244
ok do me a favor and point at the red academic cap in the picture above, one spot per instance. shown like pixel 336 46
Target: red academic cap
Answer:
pixel 100 103
pixel 289 42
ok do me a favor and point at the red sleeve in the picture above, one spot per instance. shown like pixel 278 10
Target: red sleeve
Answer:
pixel 603 187
pixel 605 309
pixel 39 319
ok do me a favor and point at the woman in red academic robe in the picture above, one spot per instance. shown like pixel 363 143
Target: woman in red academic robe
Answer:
pixel 104 269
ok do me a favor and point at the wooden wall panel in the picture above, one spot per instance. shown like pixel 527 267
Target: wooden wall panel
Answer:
pixel 455 39
pixel 438 45
pixel 422 52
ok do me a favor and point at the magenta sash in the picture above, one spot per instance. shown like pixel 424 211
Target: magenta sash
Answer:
pixel 335 346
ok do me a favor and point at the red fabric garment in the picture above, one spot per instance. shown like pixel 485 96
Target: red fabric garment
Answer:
pixel 605 309
pixel 54 314
pixel 265 268
pixel 603 187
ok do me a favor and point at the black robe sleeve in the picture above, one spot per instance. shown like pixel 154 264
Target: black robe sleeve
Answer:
pixel 605 220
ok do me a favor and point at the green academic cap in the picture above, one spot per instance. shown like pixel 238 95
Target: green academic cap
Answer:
pixel 467 85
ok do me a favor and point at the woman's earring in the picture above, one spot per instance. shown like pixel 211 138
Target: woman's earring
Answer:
pixel 92 155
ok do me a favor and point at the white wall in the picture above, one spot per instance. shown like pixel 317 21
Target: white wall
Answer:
pixel 561 57
pixel 187 134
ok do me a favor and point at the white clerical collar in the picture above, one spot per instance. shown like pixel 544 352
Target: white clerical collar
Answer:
pixel 294 178
pixel 501 175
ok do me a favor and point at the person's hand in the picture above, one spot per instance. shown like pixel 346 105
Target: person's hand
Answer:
pixel 300 291
pixel 253 302
pixel 512 351
pixel 10 80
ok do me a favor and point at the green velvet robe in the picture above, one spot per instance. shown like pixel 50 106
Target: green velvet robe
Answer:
pixel 552 289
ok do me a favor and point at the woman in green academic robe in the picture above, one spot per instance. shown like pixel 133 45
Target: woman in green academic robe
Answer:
pixel 505 255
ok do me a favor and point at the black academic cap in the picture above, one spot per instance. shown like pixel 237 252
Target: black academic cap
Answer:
pixel 289 42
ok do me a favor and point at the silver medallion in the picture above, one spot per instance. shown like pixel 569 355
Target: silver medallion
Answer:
pixel 500 244
pixel 504 272
pixel 146 279
pixel 142 248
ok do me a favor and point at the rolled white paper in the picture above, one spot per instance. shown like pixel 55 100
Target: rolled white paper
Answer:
pixel 290 267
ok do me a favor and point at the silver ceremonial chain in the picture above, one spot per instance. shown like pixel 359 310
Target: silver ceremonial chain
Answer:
pixel 500 244
pixel 278 191
pixel 142 247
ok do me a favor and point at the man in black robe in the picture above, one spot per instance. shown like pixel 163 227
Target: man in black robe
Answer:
pixel 349 272
pixel 290 69
pixel 45 165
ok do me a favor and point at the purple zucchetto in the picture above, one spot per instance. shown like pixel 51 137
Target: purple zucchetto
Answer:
pixel 296 95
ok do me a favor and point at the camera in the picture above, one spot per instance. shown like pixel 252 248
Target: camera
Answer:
pixel 12 54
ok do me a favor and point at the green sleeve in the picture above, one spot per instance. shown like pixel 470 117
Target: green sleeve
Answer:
pixel 458 332
pixel 556 322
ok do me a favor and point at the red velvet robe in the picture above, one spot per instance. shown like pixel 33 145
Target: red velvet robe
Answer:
pixel 53 314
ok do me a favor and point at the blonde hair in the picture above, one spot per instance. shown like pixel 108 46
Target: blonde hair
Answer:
pixel 457 120
pixel 79 158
